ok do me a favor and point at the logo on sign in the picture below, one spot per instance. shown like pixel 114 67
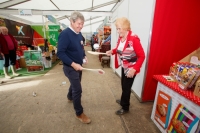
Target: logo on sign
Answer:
pixel 25 12
pixel 21 12
pixel 19 29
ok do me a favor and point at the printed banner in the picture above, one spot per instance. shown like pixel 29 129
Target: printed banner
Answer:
pixel 51 33
pixel 183 121
pixel 163 109
pixel 40 30
pixel 20 31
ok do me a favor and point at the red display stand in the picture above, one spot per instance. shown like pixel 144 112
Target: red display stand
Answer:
pixel 183 108
pixel 174 86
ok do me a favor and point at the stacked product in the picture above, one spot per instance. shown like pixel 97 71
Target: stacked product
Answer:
pixel 186 74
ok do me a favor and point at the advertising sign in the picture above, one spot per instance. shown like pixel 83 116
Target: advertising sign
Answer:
pixel 25 12
pixel 20 31
pixel 51 33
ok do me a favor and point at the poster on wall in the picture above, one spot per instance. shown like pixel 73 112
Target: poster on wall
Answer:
pixel 20 31
pixel 163 109
pixel 183 121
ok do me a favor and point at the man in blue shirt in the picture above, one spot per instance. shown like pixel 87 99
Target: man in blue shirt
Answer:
pixel 71 52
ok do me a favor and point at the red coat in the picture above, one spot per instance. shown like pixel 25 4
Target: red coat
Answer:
pixel 134 42
pixel 4 46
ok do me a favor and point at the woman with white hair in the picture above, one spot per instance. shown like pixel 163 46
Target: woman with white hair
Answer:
pixel 8 48
pixel 130 55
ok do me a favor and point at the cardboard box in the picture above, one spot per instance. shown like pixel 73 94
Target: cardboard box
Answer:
pixel 188 57
pixel 53 58
pixel 192 84
pixel 197 89
pixel 187 78
pixel 22 62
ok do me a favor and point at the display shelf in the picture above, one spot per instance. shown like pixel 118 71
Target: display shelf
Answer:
pixel 174 86
pixel 180 108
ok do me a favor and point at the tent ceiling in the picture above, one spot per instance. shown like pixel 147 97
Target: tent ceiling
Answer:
pixel 2 1
pixel 94 11
pixel 8 3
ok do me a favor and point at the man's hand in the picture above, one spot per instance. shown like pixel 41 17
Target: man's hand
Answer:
pixel 76 66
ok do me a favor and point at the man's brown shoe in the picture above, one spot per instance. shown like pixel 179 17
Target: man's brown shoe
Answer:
pixel 70 101
pixel 83 118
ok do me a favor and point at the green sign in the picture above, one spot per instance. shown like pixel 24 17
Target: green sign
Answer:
pixel 40 30
pixel 51 33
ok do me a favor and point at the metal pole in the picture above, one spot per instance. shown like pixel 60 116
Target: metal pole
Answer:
pixel 43 27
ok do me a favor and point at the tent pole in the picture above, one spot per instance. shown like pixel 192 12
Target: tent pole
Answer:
pixel 43 26
pixel 90 26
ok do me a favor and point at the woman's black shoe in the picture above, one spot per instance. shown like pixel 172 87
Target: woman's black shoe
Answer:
pixel 121 112
pixel 118 101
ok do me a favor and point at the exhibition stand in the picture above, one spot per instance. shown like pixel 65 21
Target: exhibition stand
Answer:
pixel 175 109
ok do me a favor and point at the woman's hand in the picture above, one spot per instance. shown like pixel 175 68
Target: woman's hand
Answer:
pixel 109 53
pixel 131 73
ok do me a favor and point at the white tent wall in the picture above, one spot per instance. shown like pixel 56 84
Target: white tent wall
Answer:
pixel 140 14
pixel 121 11
pixel 91 28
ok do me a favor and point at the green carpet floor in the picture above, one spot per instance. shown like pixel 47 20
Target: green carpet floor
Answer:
pixel 24 72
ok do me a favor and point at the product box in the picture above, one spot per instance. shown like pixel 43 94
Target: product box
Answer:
pixel 187 78
pixel 192 84
pixel 53 58
pixel 197 89
pixel 174 70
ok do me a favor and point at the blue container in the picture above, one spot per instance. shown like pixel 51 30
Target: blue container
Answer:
pixel 1 67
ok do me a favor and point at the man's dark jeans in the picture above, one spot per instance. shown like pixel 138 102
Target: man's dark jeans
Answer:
pixel 75 88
